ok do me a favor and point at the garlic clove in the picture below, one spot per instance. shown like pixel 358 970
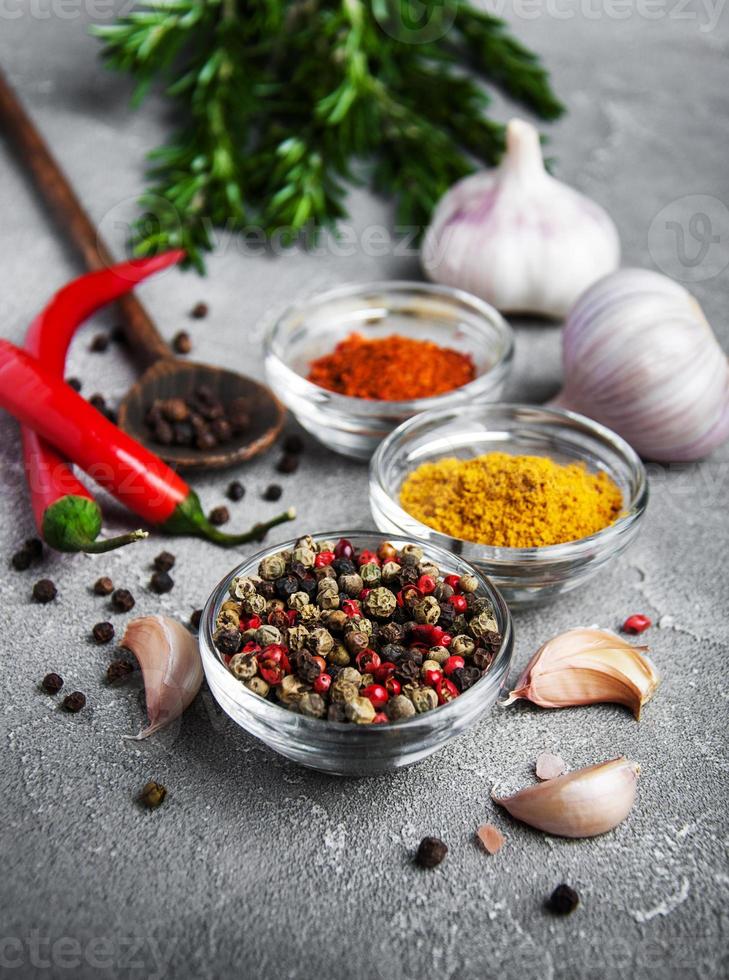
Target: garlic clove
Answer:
pixel 517 237
pixel 622 342
pixel 549 766
pixel 587 666
pixel 583 803
pixel 171 668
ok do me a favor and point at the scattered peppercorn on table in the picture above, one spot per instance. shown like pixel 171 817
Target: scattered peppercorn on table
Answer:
pixel 199 853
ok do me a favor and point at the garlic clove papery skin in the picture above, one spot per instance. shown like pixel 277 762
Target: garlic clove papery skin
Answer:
pixel 518 238
pixel 171 668
pixel 583 803
pixel 587 666
pixel 640 357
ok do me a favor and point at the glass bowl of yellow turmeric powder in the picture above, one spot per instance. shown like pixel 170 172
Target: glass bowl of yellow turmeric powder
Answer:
pixel 354 362
pixel 539 499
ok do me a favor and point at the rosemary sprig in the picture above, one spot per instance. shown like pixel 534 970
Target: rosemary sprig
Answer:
pixel 277 98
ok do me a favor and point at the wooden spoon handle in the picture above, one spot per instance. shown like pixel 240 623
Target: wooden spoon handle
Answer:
pixel 55 189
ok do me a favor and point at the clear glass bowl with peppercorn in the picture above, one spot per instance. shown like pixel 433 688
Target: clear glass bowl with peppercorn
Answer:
pixel 333 696
pixel 449 318
pixel 524 575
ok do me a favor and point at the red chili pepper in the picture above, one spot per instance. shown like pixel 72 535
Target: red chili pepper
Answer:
pixel 636 624
pixel 66 514
pixel 127 469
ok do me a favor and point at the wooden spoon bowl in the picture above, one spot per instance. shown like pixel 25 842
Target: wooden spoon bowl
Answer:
pixel 170 378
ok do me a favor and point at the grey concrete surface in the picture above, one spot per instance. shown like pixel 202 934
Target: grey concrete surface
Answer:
pixel 255 868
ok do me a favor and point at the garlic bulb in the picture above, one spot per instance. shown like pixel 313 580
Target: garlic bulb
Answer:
pixel 587 666
pixel 583 803
pixel 171 667
pixel 640 357
pixel 518 238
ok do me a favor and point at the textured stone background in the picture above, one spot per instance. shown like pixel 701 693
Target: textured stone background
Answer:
pixel 254 867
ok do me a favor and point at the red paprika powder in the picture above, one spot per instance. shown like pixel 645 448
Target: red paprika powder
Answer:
pixel 391 368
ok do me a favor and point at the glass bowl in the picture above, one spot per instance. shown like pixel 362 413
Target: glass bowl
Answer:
pixel 523 575
pixel 313 327
pixel 346 749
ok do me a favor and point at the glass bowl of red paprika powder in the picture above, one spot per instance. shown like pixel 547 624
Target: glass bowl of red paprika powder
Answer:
pixel 524 575
pixel 341 748
pixel 462 326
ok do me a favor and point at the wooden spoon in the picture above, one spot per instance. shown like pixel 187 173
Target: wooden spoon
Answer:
pixel 165 376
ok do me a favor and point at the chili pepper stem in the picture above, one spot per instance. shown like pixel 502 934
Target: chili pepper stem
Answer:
pixel 188 518
pixel 72 523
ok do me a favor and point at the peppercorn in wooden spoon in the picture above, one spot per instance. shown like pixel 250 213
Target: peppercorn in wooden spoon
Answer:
pixel 166 378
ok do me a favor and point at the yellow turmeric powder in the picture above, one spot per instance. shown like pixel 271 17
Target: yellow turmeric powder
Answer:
pixel 511 501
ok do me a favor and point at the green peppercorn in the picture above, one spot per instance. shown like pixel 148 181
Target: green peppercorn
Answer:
pixel 320 641
pixel 380 603
pixel 426 567
pixel 412 551
pixel 468 582
pixel 242 586
pixel 254 605
pixel 312 705
pixel 243 666
pixel 297 637
pixel 272 567
pixel 310 614
pixel 344 691
pixel 370 575
pixel 298 600
pixel 338 656
pixel 291 690
pixel 328 601
pixel 399 707
pixel 390 572
pixel 462 645
pixel 424 699
pixel 360 711
pixel 229 618
pixel 351 584
pixel 426 610
pixel 258 686
pixel 267 634
pixel 439 655
pixel 304 556
pixel 482 624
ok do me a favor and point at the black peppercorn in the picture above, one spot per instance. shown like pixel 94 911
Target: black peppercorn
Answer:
pixel 122 600
pixel 195 619
pixel 465 677
pixel 152 795
pixel 74 383
pixel 236 491
pixel 119 670
pixel 431 852
pixel 103 586
pixel 52 683
pixel 293 444
pixel 98 401
pixel 21 560
pixel 288 464
pixel 308 584
pixel 219 515
pixel 228 641
pixel 34 546
pixel 343 566
pixel 164 561
pixel 407 671
pixel 390 633
pixel 74 702
pixel 482 659
pixel 99 343
pixel 181 342
pixel 103 632
pixel 307 667
pixel 286 586
pixel 161 582
pixel 44 590
pixel 563 900
pixel 272 492
pixel 199 311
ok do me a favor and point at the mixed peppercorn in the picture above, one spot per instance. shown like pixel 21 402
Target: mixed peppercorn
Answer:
pixel 368 637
